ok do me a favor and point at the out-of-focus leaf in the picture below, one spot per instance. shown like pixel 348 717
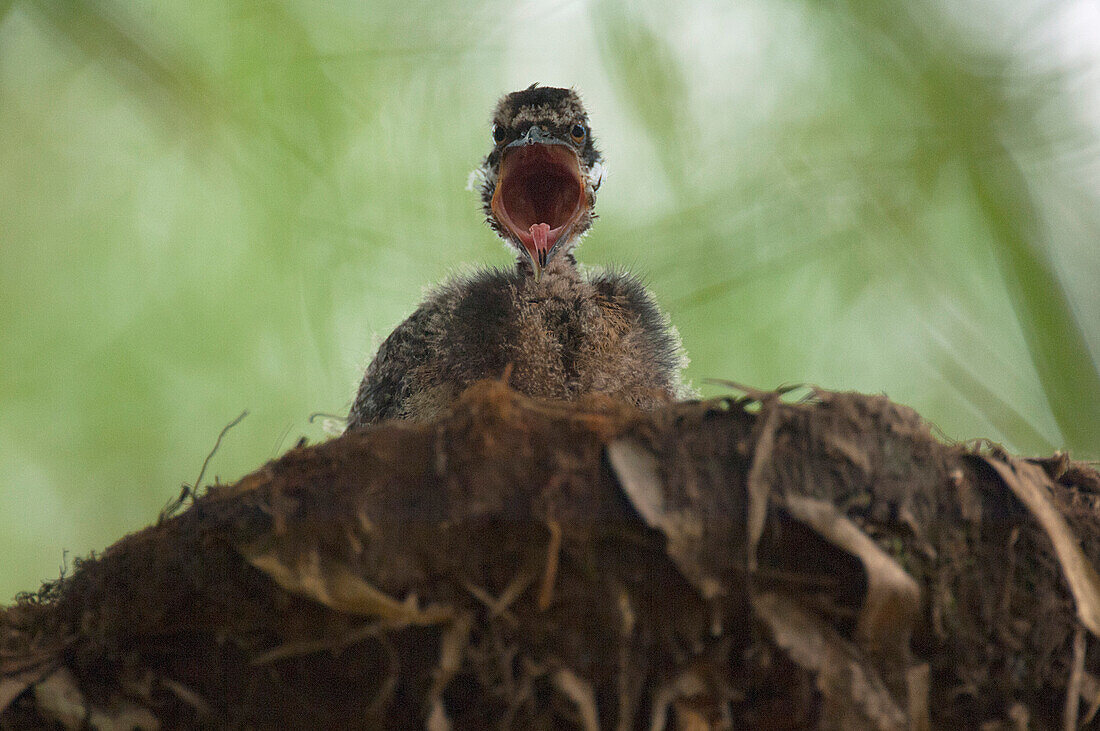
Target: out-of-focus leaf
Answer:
pixel 167 86
pixel 977 108
pixel 971 388
pixel 1069 375
pixel 652 85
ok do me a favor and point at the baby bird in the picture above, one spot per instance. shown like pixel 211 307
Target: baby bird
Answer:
pixel 556 331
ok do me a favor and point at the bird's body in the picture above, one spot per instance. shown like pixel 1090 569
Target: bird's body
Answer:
pixel 556 332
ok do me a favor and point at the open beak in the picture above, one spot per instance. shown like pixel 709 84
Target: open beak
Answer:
pixel 540 195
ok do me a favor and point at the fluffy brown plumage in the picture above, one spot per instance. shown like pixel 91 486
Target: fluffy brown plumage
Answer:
pixel 564 334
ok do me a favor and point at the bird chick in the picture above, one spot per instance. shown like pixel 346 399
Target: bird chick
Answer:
pixel 559 333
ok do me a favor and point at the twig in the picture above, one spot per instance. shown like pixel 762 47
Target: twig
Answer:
pixel 553 552
pixel 217 445
pixel 312 647
pixel 189 491
pixel 757 486
pixel 1073 688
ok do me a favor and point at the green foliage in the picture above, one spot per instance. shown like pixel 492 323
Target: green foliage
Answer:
pixel 213 206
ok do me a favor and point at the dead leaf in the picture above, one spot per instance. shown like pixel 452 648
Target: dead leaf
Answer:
pixel 639 474
pixel 1032 487
pixel 583 696
pixel 332 583
pixel 452 650
pixel 853 695
pixel 893 596
pixel 12 686
pixel 918 681
pixel 58 698
pixel 684 685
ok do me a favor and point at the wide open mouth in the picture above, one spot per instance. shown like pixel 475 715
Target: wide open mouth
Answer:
pixel 539 197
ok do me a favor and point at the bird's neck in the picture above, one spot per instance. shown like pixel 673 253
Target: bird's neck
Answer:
pixel 563 266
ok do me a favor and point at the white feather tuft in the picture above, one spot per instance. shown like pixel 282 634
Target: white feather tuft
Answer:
pixel 595 175
pixel 476 179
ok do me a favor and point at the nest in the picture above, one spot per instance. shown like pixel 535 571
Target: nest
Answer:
pixel 741 562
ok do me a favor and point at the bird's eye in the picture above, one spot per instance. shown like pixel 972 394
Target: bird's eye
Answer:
pixel 498 134
pixel 578 133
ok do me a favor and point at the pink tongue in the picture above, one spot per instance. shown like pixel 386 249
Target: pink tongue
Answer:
pixel 539 232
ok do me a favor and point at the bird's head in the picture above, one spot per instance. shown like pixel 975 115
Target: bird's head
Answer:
pixel 539 181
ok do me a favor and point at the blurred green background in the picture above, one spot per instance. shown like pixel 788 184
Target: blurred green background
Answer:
pixel 221 205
